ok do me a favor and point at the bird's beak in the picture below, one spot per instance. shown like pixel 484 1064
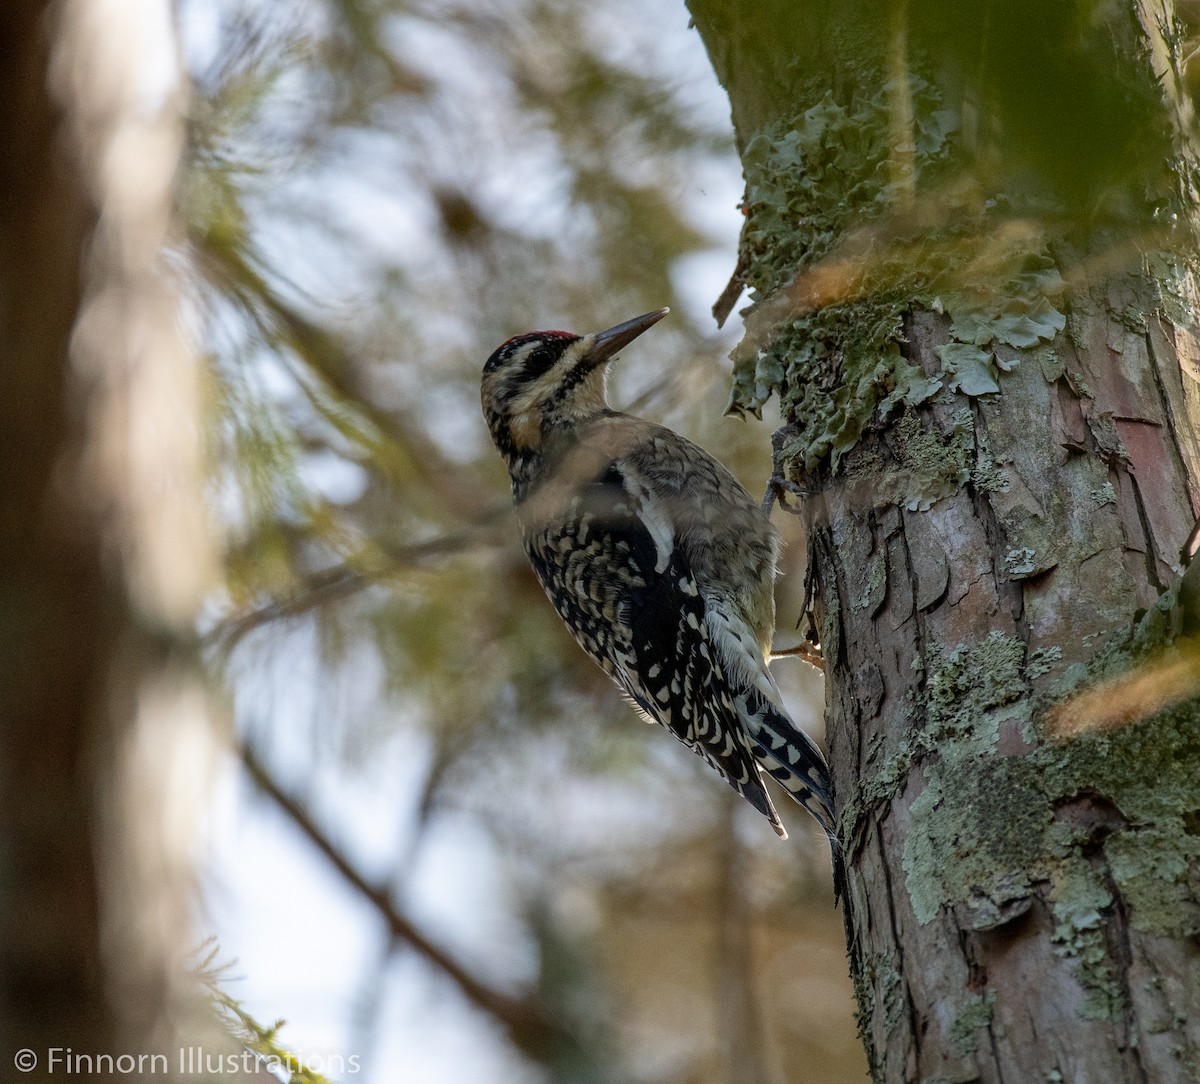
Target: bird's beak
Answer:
pixel 607 343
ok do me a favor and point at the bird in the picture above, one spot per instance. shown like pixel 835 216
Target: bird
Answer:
pixel 659 562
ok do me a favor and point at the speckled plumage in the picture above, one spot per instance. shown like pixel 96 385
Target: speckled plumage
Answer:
pixel 656 558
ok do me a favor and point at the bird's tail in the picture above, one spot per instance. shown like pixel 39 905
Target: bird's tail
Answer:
pixel 792 759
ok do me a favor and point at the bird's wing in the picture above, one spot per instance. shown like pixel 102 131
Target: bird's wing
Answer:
pixel 613 569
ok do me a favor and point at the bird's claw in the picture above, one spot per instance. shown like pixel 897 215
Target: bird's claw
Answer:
pixel 809 652
pixel 779 489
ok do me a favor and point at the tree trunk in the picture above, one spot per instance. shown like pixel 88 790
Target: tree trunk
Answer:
pixel 104 549
pixel 968 234
pixel 55 609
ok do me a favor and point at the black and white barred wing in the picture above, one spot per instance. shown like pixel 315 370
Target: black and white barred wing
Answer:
pixel 611 566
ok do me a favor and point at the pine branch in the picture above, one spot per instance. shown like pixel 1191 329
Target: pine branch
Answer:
pixel 261 1041
pixel 341 581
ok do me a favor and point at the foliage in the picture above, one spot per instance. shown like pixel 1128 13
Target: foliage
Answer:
pixel 375 195
pixel 345 362
pixel 261 1041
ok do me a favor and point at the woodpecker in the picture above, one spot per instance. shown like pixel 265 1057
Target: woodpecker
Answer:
pixel 659 562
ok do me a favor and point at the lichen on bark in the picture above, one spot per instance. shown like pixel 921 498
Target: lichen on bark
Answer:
pixel 969 296
pixel 834 269
pixel 953 857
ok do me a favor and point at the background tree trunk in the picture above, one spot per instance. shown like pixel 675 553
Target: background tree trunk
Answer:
pixel 969 236
pixel 104 545
pixel 54 599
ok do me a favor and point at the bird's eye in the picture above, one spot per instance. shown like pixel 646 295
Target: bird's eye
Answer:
pixel 539 361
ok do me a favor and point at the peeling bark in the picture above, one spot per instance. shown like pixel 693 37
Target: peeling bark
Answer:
pixel 975 951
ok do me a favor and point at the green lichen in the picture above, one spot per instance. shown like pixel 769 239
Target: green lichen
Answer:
pixel 808 181
pixel 1080 385
pixel 1019 562
pixel 883 782
pixel 1016 309
pixel 1125 646
pixel 1132 319
pixel 927 464
pixel 1153 629
pixel 1157 870
pixel 831 623
pixel 963 688
pixel 1023 317
pixel 931 465
pixel 1080 902
pixel 1041 661
pixel 1149 771
pixel 814 184
pixel 1052 363
pixel 968 695
pixel 972 369
pixel 1076 335
pixel 836 370
pixel 878 982
pixel 957 853
pixel 1175 278
pixel 975 1013
pixel 1103 427
pixel 891 986
pixel 987 476
pixel 874 587
pixel 810 178
pixel 985 829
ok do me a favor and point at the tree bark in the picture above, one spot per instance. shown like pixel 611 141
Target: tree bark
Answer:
pixel 969 231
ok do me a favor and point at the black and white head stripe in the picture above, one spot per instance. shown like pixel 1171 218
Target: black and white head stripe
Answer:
pixel 535 352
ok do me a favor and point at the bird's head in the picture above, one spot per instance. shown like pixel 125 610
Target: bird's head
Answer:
pixel 547 381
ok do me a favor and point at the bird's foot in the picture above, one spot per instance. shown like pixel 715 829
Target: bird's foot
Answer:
pixel 779 490
pixel 809 652
pixel 779 486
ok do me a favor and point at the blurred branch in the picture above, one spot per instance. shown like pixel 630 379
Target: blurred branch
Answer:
pixel 341 581
pixel 327 585
pixel 366 37
pixel 525 1019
